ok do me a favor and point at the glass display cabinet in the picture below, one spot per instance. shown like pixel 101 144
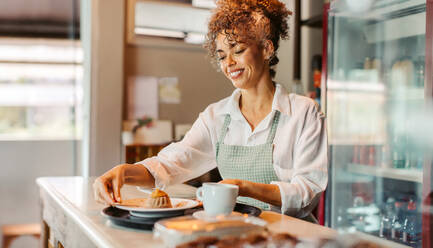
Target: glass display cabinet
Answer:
pixel 377 98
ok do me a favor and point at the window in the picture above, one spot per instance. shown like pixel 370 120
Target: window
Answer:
pixel 40 89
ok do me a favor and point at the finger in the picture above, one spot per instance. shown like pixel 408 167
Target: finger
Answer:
pixel 117 185
pixel 105 192
pixel 98 197
pixel 101 199
pixel 97 194
pixel 227 181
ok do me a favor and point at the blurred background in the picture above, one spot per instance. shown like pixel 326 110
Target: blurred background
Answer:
pixel 69 76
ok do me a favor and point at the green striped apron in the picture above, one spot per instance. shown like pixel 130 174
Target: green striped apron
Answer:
pixel 252 163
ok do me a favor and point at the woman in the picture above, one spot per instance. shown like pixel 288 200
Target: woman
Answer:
pixel 270 143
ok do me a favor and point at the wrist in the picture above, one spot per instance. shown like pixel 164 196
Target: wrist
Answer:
pixel 245 188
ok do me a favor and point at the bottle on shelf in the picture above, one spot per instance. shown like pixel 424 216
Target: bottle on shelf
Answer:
pixel 363 155
pixel 355 157
pixel 397 222
pixel 412 228
pixel 398 152
pixel 371 156
pixel 419 72
pixel 385 156
pixel 359 219
pixel 387 217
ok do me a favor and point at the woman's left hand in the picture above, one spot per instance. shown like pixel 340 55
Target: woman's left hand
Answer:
pixel 242 184
pixel 269 193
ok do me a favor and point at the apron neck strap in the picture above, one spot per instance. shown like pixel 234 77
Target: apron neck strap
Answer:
pixel 273 130
pixel 271 134
pixel 224 129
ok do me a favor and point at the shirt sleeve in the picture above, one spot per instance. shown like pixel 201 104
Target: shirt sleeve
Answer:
pixel 189 158
pixel 310 175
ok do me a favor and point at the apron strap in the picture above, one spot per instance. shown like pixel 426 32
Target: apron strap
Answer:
pixel 273 130
pixel 227 120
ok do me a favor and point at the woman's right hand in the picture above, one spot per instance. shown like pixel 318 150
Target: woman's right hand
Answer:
pixel 107 187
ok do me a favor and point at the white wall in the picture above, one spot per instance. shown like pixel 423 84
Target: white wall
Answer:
pixel 21 163
pixel 286 52
pixel 102 35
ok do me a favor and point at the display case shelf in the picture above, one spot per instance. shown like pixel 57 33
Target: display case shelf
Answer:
pixel 379 241
pixel 411 175
pixel 380 9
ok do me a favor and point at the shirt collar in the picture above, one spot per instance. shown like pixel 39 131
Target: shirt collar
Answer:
pixel 281 102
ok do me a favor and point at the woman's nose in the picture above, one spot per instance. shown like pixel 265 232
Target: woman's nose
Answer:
pixel 230 60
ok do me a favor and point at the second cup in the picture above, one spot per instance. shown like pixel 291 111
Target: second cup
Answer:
pixel 218 198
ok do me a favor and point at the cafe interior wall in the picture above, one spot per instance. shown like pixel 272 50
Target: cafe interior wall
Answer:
pixel 200 83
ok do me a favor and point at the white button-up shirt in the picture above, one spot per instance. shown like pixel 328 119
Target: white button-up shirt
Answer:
pixel 299 157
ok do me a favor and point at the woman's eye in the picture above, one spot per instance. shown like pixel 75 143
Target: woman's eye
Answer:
pixel 239 51
pixel 221 58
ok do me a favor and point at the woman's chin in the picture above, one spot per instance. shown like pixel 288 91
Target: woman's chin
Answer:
pixel 238 84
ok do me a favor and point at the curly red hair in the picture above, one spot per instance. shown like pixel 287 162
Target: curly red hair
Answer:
pixel 249 21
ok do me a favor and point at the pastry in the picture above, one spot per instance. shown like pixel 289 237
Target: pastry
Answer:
pixel 158 199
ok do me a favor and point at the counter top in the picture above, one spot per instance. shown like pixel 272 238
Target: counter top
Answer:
pixel 73 196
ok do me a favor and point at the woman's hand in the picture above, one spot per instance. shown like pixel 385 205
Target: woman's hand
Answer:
pixel 107 187
pixel 242 184
pixel 264 192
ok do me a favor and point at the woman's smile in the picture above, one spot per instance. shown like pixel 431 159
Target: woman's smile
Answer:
pixel 236 73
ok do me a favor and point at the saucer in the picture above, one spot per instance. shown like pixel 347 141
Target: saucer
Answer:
pixel 201 215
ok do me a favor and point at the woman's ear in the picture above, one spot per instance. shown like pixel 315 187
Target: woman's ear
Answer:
pixel 268 49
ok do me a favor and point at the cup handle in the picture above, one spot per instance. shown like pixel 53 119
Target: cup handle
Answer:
pixel 199 194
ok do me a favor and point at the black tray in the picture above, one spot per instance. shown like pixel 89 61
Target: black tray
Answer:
pixel 124 218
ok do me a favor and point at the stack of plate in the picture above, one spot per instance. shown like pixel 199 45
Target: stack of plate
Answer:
pixel 144 218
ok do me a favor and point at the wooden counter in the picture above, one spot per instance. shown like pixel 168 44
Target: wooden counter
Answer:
pixel 72 218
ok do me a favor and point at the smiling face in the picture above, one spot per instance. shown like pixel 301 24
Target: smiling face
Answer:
pixel 244 64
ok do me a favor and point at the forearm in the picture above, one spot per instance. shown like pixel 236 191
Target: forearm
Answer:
pixel 138 175
pixel 268 193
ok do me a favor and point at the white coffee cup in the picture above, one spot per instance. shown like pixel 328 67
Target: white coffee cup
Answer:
pixel 218 198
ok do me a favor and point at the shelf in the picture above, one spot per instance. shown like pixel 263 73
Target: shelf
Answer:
pixel 411 25
pixel 356 86
pixel 173 17
pixel 379 241
pixel 410 175
pixel 314 22
pixel 379 10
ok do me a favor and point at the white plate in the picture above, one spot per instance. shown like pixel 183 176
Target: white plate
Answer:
pixel 175 191
pixel 160 212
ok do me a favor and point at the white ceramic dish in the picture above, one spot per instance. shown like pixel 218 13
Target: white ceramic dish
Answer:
pixel 175 191
pixel 161 212
pixel 201 215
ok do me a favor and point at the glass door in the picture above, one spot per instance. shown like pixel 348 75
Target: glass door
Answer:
pixel 375 107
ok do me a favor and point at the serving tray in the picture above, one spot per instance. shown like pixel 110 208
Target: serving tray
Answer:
pixel 125 219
